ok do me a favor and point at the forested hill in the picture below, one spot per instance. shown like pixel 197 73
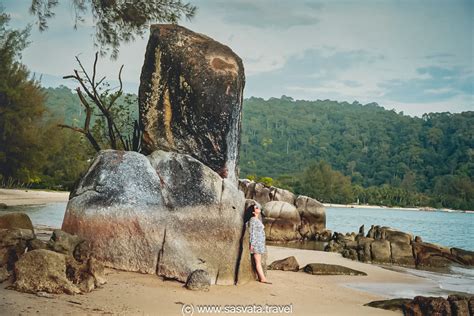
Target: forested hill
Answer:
pixel 349 151
pixel 370 145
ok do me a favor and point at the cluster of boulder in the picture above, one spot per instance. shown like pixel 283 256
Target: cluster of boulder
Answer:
pixel 454 305
pixel 287 217
pixel 64 264
pixel 390 246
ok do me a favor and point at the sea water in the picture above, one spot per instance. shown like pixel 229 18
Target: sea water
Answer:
pixel 450 229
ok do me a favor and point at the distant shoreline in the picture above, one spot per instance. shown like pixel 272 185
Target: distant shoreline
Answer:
pixel 17 197
pixel 421 209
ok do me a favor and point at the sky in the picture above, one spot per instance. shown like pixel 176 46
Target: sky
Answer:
pixel 411 56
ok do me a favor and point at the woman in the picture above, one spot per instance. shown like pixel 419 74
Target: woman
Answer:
pixel 257 241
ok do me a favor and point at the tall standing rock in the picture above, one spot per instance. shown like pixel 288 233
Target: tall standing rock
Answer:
pixel 190 98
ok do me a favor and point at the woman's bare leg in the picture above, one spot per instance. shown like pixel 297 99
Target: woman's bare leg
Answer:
pixel 258 266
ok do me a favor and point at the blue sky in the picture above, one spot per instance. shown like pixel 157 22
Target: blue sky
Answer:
pixel 411 56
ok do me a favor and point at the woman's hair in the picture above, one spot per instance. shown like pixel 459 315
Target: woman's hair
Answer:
pixel 249 212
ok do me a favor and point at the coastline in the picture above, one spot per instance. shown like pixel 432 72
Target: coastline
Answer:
pixel 135 293
pixel 17 197
pixel 421 209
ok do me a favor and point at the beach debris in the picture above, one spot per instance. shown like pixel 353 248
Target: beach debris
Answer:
pixel 287 264
pixel 330 269
pixel 15 220
pixel 198 280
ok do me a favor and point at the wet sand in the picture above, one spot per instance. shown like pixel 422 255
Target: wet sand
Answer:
pixel 128 293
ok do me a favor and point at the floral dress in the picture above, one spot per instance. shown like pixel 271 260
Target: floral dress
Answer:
pixel 257 235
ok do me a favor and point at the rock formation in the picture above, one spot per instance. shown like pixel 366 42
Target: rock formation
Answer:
pixel 63 265
pixel 389 246
pixel 167 214
pixel 287 264
pixel 190 98
pixel 287 217
pixel 330 269
pixel 454 305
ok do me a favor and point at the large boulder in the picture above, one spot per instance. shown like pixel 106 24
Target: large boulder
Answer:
pixel 190 97
pixel 380 251
pixel 281 220
pixel 287 264
pixel 432 255
pixel 402 253
pixel 43 270
pixel 313 215
pixel 464 256
pixel 13 243
pixel 15 220
pixel 167 214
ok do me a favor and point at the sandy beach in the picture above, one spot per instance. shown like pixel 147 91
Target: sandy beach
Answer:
pixel 129 293
pixel 12 197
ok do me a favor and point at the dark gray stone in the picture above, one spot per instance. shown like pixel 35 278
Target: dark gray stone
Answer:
pixel 330 269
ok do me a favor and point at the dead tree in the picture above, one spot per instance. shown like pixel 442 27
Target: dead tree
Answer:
pixel 104 103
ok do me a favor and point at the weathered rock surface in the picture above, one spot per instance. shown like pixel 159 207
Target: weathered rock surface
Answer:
pixel 198 280
pixel 190 97
pixel 43 270
pixel 389 246
pixel 395 304
pixel 455 305
pixel 313 216
pixel 63 242
pixel 432 255
pixel 13 243
pixel 167 214
pixel 402 253
pixel 380 251
pixel 330 269
pixel 15 220
pixel 281 220
pixel 287 264
pixel 3 206
pixel 287 217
